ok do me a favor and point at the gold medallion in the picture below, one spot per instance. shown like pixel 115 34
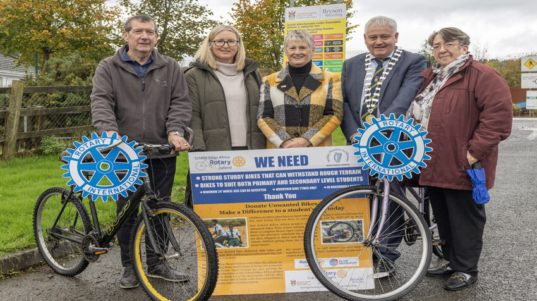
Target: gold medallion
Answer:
pixel 369 119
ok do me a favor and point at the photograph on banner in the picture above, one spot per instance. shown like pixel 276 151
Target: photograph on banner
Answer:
pixel 267 197
pixel 342 231
pixel 327 25
pixel 234 232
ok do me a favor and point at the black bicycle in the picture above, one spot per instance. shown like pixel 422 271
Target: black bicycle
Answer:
pixel 166 232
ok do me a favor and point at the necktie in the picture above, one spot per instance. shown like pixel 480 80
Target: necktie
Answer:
pixel 374 82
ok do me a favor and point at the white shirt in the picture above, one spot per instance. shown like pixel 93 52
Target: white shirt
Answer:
pixel 219 228
pixel 233 233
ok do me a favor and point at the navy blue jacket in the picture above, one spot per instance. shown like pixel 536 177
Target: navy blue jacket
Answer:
pixel 397 92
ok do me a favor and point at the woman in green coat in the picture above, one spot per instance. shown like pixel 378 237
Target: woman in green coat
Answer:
pixel 224 88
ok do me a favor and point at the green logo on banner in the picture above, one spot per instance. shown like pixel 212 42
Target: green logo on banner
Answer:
pixel 333 69
pixel 333 62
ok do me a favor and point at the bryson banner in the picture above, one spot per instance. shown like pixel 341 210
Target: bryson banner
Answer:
pixel 256 203
pixel 327 24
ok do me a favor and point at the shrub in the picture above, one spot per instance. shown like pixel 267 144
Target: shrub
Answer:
pixel 52 146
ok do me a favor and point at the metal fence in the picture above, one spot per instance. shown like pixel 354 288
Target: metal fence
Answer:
pixel 29 113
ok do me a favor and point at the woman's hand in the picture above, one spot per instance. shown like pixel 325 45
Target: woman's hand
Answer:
pixel 296 142
pixel 470 158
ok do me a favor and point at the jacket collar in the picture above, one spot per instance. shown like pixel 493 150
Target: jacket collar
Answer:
pixel 158 61
pixel 391 74
pixel 429 75
pixel 312 82
pixel 249 66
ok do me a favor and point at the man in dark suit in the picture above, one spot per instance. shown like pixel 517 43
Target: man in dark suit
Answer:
pixel 383 81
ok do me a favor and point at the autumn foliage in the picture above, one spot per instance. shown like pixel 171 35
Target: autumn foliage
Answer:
pixel 182 24
pixel 262 25
pixel 56 26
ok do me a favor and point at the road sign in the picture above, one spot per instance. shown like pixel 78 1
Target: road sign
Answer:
pixel 529 81
pixel 528 63
pixel 531 100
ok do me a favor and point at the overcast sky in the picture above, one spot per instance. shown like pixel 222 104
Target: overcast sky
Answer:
pixel 507 27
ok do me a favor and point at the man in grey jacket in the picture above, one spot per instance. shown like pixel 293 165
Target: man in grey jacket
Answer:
pixel 143 95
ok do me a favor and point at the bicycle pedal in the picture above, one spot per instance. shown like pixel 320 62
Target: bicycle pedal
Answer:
pixel 438 242
pixel 98 251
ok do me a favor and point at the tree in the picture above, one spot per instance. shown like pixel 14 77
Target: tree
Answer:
pixel 262 25
pixel 427 52
pixel 73 69
pixel 480 51
pixel 509 68
pixel 182 24
pixel 59 26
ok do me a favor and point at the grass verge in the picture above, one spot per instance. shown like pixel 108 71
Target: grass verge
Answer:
pixel 24 179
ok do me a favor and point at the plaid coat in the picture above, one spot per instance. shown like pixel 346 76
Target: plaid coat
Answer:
pixel 314 113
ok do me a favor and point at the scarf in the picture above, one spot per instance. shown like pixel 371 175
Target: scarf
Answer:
pixel 420 108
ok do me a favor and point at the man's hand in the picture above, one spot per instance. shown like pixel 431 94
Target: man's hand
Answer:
pixel 353 141
pixel 470 159
pixel 296 142
pixel 110 133
pixel 180 143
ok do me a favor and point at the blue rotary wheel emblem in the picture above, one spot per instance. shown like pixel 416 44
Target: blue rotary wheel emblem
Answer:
pixel 104 174
pixel 392 147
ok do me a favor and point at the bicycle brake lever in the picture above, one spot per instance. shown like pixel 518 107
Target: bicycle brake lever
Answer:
pixel 107 148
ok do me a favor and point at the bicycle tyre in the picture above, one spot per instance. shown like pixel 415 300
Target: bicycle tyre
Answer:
pixel 64 257
pixel 410 267
pixel 191 232
pixel 429 218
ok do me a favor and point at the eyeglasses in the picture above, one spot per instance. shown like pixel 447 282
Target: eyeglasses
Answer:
pixel 230 43
pixel 447 46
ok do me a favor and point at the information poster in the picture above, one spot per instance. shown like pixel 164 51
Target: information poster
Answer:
pixel 266 198
pixel 327 25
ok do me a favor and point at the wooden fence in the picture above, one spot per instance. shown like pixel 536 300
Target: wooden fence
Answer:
pixel 15 111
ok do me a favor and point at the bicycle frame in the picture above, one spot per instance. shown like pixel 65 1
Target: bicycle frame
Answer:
pixel 420 196
pixel 384 208
pixel 130 207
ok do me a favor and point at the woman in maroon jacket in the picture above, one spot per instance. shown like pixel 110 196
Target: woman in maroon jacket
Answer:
pixel 466 108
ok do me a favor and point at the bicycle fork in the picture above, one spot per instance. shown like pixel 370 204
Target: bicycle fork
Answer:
pixel 375 210
pixel 152 236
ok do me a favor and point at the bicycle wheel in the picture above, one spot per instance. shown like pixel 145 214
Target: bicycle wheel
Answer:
pixel 62 253
pixel 187 248
pixel 435 236
pixel 367 269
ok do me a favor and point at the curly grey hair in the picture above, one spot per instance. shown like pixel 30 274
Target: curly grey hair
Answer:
pixel 299 35
pixel 381 21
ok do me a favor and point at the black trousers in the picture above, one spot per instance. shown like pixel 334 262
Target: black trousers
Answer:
pixel 460 223
pixel 161 174
pixel 394 225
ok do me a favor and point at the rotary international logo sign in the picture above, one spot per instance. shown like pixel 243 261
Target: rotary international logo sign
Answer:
pixel 239 161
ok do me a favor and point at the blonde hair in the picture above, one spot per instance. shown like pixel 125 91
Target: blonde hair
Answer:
pixel 205 54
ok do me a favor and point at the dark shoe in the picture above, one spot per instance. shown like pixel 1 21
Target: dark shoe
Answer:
pixel 459 282
pixel 442 271
pixel 129 279
pixel 164 272
pixel 384 268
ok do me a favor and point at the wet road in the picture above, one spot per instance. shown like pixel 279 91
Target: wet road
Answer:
pixel 508 266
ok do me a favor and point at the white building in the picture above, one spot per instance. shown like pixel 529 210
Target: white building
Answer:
pixel 9 72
